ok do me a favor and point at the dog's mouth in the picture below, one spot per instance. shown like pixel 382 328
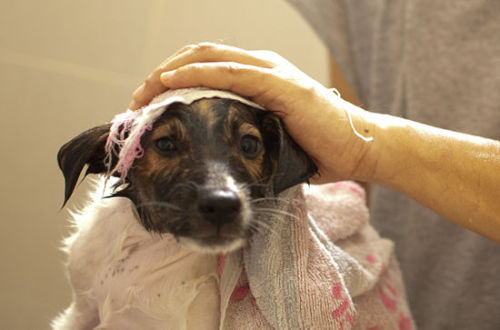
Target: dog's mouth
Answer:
pixel 211 236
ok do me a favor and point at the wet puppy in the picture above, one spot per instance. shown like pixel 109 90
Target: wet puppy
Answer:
pixel 204 168
pixel 198 181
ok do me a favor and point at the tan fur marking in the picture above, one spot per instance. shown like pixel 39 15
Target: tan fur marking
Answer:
pixel 153 164
pixel 246 128
pixel 172 127
pixel 204 110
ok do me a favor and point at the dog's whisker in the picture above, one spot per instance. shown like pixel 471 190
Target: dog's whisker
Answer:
pixel 262 227
pixel 257 182
pixel 262 224
pixel 159 204
pixel 257 230
pixel 269 199
pixel 269 211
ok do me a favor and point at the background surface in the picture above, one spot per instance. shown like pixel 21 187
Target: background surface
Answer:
pixel 69 65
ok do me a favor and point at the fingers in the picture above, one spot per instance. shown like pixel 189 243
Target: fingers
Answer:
pixel 202 53
pixel 208 52
pixel 243 79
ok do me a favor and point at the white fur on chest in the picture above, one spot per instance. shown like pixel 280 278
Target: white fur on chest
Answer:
pixel 126 278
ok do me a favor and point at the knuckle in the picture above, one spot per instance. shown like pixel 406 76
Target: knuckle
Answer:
pixel 233 68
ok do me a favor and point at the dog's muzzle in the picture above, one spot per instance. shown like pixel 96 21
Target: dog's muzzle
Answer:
pixel 221 217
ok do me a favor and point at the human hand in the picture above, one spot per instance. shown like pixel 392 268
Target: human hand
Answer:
pixel 316 118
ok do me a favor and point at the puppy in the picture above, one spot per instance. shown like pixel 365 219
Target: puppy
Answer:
pixel 196 186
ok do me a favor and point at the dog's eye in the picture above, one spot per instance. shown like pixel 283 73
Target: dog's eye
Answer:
pixel 250 146
pixel 165 146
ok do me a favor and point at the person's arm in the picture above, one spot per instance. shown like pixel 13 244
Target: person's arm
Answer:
pixel 456 175
pixel 433 165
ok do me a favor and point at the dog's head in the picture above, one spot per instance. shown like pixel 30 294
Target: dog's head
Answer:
pixel 204 165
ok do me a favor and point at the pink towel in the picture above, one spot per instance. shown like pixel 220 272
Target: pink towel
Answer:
pixel 321 267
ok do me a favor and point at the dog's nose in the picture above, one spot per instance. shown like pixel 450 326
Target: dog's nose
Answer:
pixel 219 206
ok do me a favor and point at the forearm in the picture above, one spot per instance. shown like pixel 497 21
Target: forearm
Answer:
pixel 454 174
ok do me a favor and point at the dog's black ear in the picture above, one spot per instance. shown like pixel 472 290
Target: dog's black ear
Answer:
pixel 292 164
pixel 85 149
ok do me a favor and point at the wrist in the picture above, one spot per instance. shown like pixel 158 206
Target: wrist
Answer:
pixel 355 145
pixel 385 157
pixel 385 153
pixel 364 131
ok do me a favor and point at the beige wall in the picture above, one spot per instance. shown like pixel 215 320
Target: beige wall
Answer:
pixel 68 65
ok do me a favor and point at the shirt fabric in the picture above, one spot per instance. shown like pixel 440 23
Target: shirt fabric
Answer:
pixel 438 63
